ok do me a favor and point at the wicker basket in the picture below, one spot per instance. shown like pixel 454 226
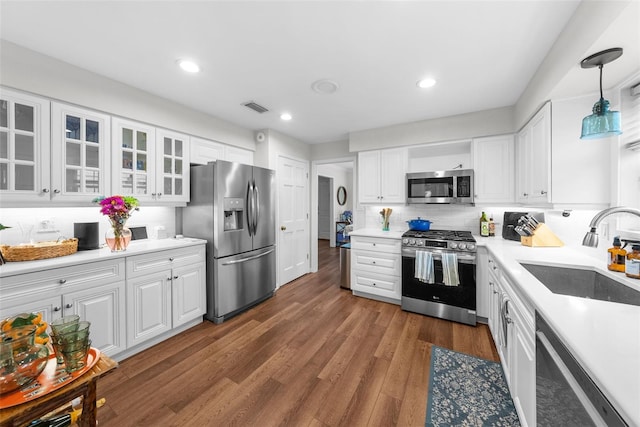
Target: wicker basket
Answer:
pixel 40 250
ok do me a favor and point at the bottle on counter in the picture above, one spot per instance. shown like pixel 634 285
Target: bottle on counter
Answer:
pixel 617 256
pixel 492 227
pixel 484 225
pixel 632 266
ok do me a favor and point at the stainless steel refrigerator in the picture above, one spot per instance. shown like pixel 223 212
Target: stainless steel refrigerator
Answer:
pixel 233 207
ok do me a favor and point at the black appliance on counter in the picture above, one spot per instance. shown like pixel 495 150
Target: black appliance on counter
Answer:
pixel 510 221
pixel 456 303
pixel 87 234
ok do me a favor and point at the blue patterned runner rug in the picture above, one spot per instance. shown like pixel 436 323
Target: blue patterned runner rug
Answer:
pixel 467 391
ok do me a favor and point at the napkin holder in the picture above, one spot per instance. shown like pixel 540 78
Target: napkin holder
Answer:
pixel 542 237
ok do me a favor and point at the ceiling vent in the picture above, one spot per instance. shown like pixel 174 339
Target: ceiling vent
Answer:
pixel 255 107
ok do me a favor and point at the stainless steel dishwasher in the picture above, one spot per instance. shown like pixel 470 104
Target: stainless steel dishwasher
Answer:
pixel 565 394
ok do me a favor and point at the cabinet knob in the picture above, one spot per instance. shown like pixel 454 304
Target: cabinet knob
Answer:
pixel 56 191
pixel 373 262
pixel 69 305
pixel 175 277
pixel 153 194
pixel 373 284
pixel 57 308
pixel 62 281
pixel 508 319
pixel 171 259
pixel 45 190
pixel 283 228
pixel 373 244
pixel 525 194
pixel 543 192
pixel 169 278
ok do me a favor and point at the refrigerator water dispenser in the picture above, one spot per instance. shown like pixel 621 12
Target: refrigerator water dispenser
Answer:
pixel 233 213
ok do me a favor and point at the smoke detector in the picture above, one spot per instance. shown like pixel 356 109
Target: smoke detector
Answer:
pixel 261 136
pixel 324 86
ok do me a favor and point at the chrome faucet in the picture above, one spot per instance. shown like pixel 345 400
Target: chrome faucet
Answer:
pixel 591 238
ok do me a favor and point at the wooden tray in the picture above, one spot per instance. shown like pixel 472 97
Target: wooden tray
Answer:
pixel 41 250
pixel 52 378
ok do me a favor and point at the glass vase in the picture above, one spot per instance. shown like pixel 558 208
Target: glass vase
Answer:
pixel 118 237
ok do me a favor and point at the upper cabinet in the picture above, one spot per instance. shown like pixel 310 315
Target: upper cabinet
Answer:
pixel 533 151
pixel 133 159
pixel 493 160
pixel 382 175
pixel 80 153
pixel 24 147
pixel 172 171
pixel 204 151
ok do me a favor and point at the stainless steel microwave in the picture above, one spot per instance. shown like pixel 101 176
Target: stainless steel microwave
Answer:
pixel 452 186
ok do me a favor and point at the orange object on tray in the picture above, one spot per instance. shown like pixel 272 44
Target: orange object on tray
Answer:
pixel 53 377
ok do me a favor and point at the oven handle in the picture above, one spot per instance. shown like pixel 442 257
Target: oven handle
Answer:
pixel 569 378
pixel 462 258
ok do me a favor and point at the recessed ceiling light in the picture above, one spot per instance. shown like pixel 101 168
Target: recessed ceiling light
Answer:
pixel 285 116
pixel 188 66
pixel 425 83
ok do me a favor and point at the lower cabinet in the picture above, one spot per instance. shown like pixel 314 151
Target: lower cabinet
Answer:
pixel 127 300
pixel 164 290
pixel 513 329
pixel 376 268
pixel 94 291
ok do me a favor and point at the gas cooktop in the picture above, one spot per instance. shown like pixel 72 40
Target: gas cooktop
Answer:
pixel 444 239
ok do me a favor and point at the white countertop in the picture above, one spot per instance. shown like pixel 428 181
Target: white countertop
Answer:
pixel 603 336
pixel 136 247
pixel 377 232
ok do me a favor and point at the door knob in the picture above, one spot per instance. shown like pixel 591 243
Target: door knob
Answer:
pixel 282 227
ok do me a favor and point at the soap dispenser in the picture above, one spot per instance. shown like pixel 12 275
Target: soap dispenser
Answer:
pixel 617 256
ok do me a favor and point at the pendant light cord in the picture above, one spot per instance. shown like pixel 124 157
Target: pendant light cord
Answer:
pixel 601 66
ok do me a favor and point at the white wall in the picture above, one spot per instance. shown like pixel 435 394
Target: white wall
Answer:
pixel 482 123
pixel 330 150
pixel 341 177
pixel 24 69
pixel 64 218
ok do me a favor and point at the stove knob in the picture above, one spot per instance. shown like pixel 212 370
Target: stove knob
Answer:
pixel 405 241
pixel 471 246
pixel 420 242
pixel 453 245
pixel 462 246
pixel 412 241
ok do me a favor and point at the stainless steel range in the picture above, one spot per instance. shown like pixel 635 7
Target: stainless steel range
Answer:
pixel 448 290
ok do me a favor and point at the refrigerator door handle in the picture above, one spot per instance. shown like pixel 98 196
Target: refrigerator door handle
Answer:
pixel 238 261
pixel 249 208
pixel 256 207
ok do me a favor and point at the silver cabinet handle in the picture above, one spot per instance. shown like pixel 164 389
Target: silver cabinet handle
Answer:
pixel 57 308
pixel 543 192
pixel 56 191
pixel 69 305
pixel 169 278
pixel 238 261
pixel 175 277
pixel 62 281
pixel 45 190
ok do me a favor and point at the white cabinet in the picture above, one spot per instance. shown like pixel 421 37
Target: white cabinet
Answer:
pixel 25 145
pixel 376 268
pixel 172 167
pixel 512 326
pixel 482 284
pixel 95 291
pixel 238 155
pixel 533 184
pixel 164 290
pixel 150 164
pixel 493 162
pixel 382 176
pixel 204 151
pixel 80 142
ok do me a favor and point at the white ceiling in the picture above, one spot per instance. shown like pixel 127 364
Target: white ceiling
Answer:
pixel 482 53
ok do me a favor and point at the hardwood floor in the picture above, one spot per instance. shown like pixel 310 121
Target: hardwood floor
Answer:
pixel 313 355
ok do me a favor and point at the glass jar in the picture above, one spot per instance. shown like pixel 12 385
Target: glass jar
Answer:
pixel 632 265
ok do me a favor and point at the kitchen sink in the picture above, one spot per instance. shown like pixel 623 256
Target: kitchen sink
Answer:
pixel 583 283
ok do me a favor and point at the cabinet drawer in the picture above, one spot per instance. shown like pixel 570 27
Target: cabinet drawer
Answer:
pixel 378 262
pixel 140 265
pixel 376 281
pixel 65 278
pixel 391 246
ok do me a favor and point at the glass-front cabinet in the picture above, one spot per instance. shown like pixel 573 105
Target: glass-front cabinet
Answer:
pixel 172 172
pixel 24 147
pixel 80 153
pixel 133 161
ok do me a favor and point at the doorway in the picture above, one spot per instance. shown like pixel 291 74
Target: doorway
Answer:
pixel 325 208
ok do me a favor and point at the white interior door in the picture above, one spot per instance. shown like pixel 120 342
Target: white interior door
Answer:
pixel 324 207
pixel 293 214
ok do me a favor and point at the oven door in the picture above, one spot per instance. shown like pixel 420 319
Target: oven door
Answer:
pixel 462 296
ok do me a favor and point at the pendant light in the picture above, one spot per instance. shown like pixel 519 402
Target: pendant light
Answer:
pixel 603 122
